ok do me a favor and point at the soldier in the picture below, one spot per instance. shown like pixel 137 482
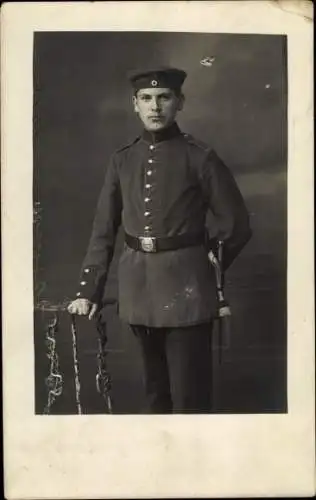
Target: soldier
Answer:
pixel 160 187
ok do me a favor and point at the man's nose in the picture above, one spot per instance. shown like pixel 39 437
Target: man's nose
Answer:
pixel 155 104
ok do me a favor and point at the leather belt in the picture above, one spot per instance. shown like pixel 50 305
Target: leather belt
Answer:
pixel 151 244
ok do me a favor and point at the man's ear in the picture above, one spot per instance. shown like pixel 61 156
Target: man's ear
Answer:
pixel 181 102
pixel 136 108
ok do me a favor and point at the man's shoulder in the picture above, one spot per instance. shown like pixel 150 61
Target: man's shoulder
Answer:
pixel 197 143
pixel 127 146
pixel 198 149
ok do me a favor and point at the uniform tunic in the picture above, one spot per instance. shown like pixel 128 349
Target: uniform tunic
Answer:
pixel 162 185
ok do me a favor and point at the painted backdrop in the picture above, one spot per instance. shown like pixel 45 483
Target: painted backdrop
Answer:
pixel 235 101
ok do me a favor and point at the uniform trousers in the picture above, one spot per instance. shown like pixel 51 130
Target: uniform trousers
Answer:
pixel 177 368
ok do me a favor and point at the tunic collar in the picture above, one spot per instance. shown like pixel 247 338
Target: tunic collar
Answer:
pixel 161 135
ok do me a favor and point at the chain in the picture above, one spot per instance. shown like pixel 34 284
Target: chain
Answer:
pixel 76 363
pixel 54 381
pixel 103 378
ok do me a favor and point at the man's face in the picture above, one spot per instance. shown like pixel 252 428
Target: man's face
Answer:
pixel 157 108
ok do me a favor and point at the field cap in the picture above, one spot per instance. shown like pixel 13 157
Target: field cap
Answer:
pixel 163 77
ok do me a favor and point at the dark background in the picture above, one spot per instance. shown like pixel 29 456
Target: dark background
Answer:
pixel 82 112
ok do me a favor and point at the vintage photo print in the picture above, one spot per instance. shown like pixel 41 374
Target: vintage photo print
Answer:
pixel 235 102
pixel 158 238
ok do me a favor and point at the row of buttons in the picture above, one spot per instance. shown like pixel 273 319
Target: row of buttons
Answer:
pixel 148 186
pixel 83 283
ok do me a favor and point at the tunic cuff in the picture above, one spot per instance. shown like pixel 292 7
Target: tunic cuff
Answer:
pixel 91 284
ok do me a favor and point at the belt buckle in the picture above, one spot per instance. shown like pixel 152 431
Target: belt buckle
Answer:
pixel 148 244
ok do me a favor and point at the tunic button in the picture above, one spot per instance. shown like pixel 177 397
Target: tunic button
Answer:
pixel 149 172
pixel 150 160
pixel 78 294
pixel 82 283
pixel 147 200
pixel 151 147
pixel 147 228
pixel 87 270
pixel 148 186
pixel 146 214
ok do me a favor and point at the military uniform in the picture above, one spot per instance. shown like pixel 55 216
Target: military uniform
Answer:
pixel 160 187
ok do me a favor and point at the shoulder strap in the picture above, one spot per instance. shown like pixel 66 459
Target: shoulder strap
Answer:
pixel 128 145
pixel 197 142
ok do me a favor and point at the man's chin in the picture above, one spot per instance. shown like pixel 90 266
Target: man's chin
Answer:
pixel 155 126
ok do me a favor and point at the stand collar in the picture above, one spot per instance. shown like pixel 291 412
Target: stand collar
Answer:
pixel 161 135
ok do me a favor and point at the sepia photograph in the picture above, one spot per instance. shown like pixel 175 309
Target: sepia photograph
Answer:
pixel 160 191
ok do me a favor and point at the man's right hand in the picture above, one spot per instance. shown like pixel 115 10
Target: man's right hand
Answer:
pixel 83 307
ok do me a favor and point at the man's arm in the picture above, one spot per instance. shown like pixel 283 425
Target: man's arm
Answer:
pixel 227 204
pixel 101 245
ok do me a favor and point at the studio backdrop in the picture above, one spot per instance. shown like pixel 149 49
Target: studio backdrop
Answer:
pixel 236 101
